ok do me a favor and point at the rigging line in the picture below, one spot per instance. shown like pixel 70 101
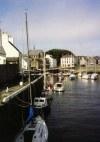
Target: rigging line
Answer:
pixel 22 100
pixel 22 106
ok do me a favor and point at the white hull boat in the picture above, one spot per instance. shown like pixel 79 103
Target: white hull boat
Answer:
pixel 35 131
pixel 94 76
pixel 79 74
pixel 59 87
pixel 40 102
pixel 72 77
pixel 86 76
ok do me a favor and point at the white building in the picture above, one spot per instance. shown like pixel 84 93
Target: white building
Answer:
pixel 52 61
pixel 10 50
pixel 83 60
pixel 24 63
pixel 2 52
pixel 68 61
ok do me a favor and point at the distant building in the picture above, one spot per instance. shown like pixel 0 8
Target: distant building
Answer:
pixel 91 61
pixel 2 51
pixel 52 61
pixel 97 58
pixel 86 60
pixel 82 60
pixel 36 58
pixel 68 61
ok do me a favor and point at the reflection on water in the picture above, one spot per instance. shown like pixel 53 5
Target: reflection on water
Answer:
pixel 75 114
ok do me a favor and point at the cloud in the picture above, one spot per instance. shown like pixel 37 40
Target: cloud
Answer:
pixel 53 23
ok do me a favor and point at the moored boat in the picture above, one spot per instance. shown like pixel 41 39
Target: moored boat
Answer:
pixel 35 131
pixel 86 76
pixel 72 76
pixel 40 102
pixel 59 87
pixel 94 76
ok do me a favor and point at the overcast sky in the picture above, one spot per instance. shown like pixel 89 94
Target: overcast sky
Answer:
pixel 67 24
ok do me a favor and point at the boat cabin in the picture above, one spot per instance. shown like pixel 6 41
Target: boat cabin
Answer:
pixel 40 102
pixel 59 86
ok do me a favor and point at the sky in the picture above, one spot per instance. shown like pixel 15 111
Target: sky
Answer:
pixel 62 24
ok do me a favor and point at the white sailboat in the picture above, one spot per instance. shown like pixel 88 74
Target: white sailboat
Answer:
pixel 41 102
pixel 36 129
pixel 59 87
pixel 94 76
pixel 72 76
pixel 80 73
pixel 86 75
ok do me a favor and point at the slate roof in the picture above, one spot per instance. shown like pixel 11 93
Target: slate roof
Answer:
pixel 15 47
pixel 68 55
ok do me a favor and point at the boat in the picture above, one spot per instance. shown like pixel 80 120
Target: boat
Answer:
pixel 40 102
pixel 35 131
pixel 79 74
pixel 72 76
pixel 47 89
pixel 59 87
pixel 34 128
pixel 86 76
pixel 94 76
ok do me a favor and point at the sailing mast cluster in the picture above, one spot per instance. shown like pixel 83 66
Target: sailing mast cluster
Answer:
pixel 35 130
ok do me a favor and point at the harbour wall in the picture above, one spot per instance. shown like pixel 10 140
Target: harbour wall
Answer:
pixel 13 114
pixel 8 74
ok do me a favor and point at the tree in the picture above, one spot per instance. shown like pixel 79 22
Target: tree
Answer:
pixel 57 54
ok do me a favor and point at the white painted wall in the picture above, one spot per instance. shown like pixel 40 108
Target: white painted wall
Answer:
pixel 2 60
pixel 24 64
pixel 10 38
pixel 52 61
pixel 68 61
pixel 9 49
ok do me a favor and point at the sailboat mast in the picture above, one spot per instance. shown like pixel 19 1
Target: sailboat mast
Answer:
pixel 44 72
pixel 29 78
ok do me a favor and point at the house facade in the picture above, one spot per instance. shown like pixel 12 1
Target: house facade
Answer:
pixel 36 59
pixel 68 61
pixel 12 53
pixel 82 60
pixel 91 61
pixel 86 60
pixel 97 58
pixel 52 61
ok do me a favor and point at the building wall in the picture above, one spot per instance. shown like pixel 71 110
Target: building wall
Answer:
pixel 2 60
pixel 83 61
pixel 52 61
pixel 8 74
pixel 24 64
pixel 9 49
pixel 68 61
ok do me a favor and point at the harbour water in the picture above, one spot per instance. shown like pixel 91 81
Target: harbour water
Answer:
pixel 75 114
